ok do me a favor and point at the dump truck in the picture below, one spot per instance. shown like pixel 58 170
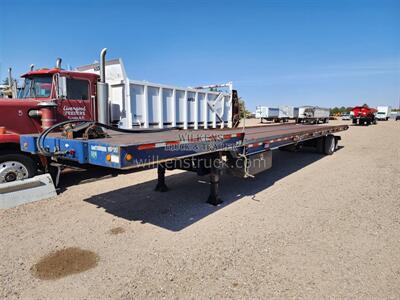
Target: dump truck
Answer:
pixel 102 92
pixel 363 115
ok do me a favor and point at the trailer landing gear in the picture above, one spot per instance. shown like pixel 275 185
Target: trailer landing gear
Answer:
pixel 215 176
pixel 161 186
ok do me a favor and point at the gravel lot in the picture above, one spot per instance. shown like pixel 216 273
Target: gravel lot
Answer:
pixel 311 227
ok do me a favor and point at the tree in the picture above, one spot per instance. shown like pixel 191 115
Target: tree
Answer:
pixel 244 113
pixel 334 111
pixel 341 110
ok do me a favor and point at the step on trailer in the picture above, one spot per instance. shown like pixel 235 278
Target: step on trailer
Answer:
pixel 242 152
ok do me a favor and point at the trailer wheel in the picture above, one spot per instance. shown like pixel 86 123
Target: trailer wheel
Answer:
pixel 16 166
pixel 329 144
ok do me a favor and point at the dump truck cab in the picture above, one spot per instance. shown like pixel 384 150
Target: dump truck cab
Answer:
pixel 48 96
pixel 71 93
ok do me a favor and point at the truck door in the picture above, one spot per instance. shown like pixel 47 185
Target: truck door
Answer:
pixel 76 102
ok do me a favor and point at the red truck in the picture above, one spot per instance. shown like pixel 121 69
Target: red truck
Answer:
pixel 363 115
pixel 39 106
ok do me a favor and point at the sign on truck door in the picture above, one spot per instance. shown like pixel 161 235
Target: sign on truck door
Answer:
pixel 77 101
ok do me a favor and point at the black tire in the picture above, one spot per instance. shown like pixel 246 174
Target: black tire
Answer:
pixel 24 160
pixel 329 144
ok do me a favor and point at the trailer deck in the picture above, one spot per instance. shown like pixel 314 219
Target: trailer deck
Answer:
pixel 154 147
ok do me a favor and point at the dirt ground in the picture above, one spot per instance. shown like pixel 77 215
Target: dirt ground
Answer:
pixel 313 226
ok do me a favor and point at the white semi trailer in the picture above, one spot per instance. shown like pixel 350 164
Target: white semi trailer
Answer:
pixel 135 103
pixel 267 113
pixel 287 113
pixel 313 115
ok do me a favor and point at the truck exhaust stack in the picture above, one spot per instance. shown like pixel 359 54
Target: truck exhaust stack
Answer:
pixel 102 91
pixel 10 80
pixel 58 63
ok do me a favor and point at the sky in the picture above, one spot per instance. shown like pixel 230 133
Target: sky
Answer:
pixel 276 52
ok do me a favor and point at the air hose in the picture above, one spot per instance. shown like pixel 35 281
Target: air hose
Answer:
pixel 42 136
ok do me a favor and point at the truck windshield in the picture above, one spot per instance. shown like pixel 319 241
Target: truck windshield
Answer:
pixel 37 87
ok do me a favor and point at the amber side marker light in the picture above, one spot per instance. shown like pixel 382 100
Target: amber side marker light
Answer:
pixel 128 157
pixel 108 157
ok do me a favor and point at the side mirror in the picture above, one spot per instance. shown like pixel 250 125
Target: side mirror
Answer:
pixel 62 88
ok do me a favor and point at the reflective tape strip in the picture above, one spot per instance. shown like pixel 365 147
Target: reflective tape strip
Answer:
pixel 255 145
pixel 146 146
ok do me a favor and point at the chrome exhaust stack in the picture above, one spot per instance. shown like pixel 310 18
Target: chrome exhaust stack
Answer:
pixel 103 110
pixel 12 85
pixel 58 62
pixel 10 80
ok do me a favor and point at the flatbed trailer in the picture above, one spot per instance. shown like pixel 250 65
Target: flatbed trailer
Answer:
pixel 241 152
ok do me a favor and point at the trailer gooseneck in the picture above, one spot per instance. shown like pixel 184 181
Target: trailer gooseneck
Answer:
pixel 241 152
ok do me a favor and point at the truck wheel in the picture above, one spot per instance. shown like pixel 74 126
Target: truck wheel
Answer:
pixel 16 167
pixel 329 144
